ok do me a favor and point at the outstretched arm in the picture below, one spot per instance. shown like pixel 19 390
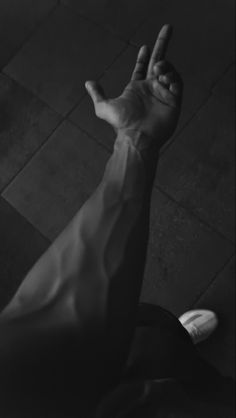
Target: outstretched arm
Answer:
pixel 89 280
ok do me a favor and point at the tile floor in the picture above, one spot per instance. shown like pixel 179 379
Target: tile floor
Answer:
pixel 53 149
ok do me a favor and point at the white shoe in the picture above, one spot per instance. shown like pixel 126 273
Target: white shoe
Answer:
pixel 200 324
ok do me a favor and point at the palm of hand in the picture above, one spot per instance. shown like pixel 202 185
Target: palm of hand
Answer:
pixel 141 108
pixel 150 104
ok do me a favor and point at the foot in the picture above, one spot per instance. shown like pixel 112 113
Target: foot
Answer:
pixel 200 324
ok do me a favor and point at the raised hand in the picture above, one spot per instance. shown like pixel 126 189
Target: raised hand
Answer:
pixel 150 104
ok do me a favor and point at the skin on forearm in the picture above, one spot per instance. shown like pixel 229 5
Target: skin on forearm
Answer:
pixel 89 280
pixel 92 274
pixel 116 205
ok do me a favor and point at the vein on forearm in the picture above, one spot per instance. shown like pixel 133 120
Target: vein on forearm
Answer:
pixel 104 226
pixel 92 250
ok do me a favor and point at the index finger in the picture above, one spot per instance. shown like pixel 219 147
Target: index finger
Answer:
pixel 160 47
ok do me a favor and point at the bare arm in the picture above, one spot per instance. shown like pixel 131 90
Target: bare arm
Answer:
pixel 89 280
pixel 91 276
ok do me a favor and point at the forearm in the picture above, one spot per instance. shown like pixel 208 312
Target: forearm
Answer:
pixel 117 205
pixel 89 282
pixel 114 227
pixel 92 274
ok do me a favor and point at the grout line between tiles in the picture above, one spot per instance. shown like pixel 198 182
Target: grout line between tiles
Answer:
pixel 201 106
pixel 198 299
pixel 194 215
pixel 187 123
pixel 221 76
pixel 63 118
pixel 29 36
pixel 30 92
pixel 158 188
pixel 29 161
pixel 27 220
pixel 99 143
pixel 70 111
pixel 98 78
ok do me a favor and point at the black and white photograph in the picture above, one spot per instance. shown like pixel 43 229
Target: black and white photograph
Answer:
pixel 117 209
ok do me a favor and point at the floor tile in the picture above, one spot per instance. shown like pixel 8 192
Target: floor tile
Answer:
pixel 114 81
pixel 121 17
pixel 198 168
pixel 25 124
pixel 203 42
pixel 220 297
pixel 54 185
pixel 183 257
pixel 17 21
pixel 20 247
pixel 61 56
pixel 224 90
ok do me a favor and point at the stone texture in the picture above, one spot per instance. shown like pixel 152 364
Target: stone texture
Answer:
pixel 203 42
pixel 120 17
pixel 17 21
pixel 198 170
pixel 183 258
pixel 220 297
pixel 20 247
pixel 65 52
pixel 54 185
pixel 25 124
pixel 73 44
pixel 224 89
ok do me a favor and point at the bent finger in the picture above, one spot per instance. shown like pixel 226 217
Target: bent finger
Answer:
pixel 176 89
pixel 167 78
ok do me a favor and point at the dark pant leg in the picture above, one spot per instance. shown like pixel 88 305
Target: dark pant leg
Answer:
pixel 162 348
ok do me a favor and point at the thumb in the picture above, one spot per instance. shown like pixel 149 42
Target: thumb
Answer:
pixel 96 92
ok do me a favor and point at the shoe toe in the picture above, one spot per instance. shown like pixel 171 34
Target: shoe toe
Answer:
pixel 200 323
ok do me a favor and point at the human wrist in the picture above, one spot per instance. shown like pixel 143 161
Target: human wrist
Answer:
pixel 145 147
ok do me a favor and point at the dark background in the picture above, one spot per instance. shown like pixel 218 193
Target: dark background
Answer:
pixel 53 150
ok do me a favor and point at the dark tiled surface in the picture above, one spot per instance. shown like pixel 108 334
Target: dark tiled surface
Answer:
pixel 220 297
pixel 17 20
pixel 203 44
pixel 20 247
pixel 184 256
pixel 114 81
pixel 25 123
pixel 224 90
pixel 55 184
pixel 61 56
pixel 198 169
pixel 120 17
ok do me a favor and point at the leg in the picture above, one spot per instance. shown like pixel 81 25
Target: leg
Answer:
pixel 164 348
